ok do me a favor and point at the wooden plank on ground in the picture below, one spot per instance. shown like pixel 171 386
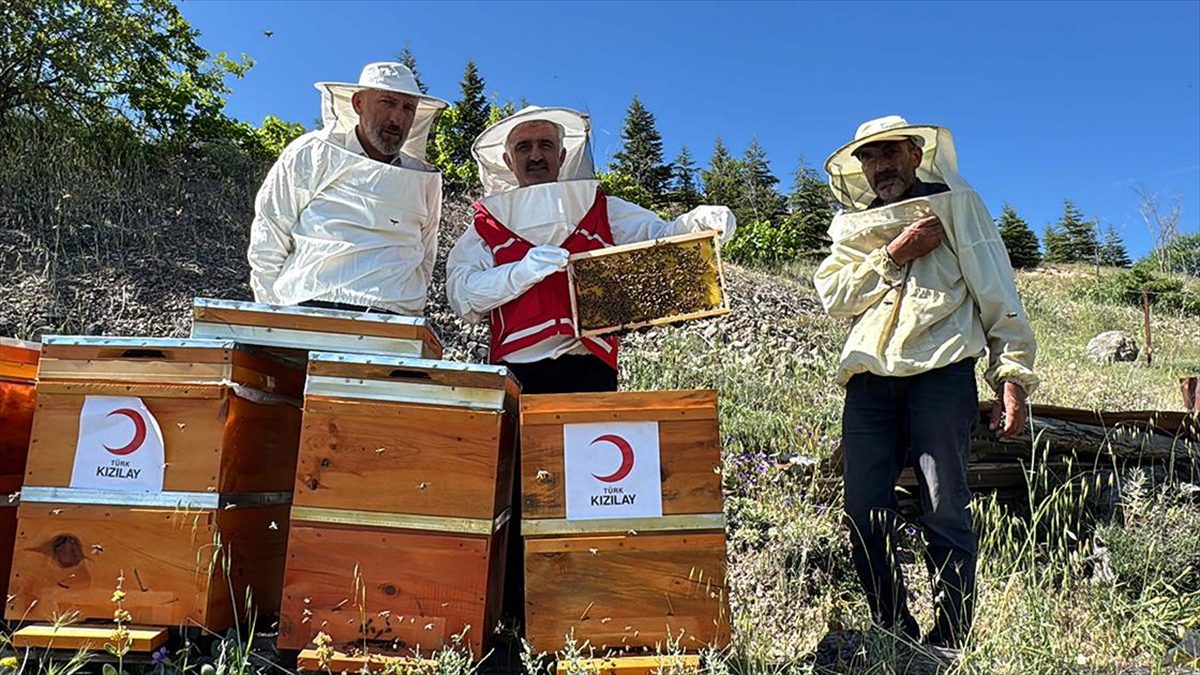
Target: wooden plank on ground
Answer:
pixel 631 665
pixel 89 637
pixel 338 662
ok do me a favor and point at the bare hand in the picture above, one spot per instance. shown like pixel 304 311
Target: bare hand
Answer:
pixel 1010 412
pixel 916 240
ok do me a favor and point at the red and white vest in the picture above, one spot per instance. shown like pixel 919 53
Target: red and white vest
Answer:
pixel 543 311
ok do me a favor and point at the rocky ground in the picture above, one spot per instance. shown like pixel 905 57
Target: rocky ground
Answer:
pixel 95 282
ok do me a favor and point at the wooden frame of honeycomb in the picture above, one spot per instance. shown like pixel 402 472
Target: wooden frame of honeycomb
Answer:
pixel 650 283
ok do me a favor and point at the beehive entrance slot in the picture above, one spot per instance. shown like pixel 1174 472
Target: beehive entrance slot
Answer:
pixel 143 354
pixel 402 374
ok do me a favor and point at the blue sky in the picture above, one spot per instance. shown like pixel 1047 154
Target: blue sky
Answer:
pixel 1046 100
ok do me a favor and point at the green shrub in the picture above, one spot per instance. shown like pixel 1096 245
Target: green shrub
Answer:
pixel 1125 288
pixel 762 242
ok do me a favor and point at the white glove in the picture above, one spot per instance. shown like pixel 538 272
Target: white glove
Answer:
pixel 717 219
pixel 539 263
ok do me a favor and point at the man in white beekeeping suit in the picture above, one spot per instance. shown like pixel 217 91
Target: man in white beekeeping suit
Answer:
pixel 347 218
pixel 919 267
pixel 542 203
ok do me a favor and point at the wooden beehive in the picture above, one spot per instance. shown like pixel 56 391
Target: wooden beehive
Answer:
pixel 189 547
pixel 18 379
pixel 650 283
pixel 401 503
pixel 623 582
pixel 294 331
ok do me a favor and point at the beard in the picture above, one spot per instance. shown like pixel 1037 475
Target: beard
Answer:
pixel 388 144
pixel 890 186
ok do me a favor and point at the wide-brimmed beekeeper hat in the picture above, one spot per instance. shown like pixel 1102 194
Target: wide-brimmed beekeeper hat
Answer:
pixel 488 150
pixel 938 161
pixel 337 111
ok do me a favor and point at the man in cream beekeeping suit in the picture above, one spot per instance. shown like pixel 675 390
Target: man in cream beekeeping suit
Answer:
pixel 919 267
pixel 347 218
pixel 542 203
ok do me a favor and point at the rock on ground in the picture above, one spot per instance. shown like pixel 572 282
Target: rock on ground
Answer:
pixel 1112 347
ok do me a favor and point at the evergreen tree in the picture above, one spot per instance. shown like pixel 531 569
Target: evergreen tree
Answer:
pixel 641 154
pixel 685 192
pixel 724 183
pixel 1082 244
pixel 410 61
pixel 763 201
pixel 810 210
pixel 473 112
pixel 1056 244
pixel 1021 242
pixel 1112 250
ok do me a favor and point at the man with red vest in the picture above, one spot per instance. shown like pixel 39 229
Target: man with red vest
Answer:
pixel 542 203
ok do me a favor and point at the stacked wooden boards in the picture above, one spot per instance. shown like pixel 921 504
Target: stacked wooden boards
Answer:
pixel 161 465
pixel 622 520
pixel 401 504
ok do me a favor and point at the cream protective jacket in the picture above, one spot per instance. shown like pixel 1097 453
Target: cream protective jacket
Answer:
pixel 333 225
pixel 959 301
pixel 547 214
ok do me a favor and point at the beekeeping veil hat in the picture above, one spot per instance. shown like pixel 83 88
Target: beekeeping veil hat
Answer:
pixel 337 110
pixel 488 150
pixel 939 163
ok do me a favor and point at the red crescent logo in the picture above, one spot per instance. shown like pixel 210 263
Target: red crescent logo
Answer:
pixel 139 431
pixel 626 458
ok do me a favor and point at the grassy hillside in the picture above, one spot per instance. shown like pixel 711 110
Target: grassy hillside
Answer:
pixel 118 241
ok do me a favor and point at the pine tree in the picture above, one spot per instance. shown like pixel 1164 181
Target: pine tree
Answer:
pixel 1021 242
pixel 410 61
pixel 473 112
pixel 641 154
pixel 1082 245
pixel 1112 251
pixel 685 192
pixel 810 210
pixel 724 183
pixel 763 201
pixel 1056 244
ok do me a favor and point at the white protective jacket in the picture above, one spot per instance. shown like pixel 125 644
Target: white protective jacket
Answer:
pixel 336 226
pixel 547 214
pixel 957 302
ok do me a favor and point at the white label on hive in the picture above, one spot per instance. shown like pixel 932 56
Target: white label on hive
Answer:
pixel 612 470
pixel 120 446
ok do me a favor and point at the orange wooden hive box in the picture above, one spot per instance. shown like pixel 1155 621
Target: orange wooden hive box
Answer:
pixel 166 462
pixel 18 380
pixel 294 331
pixel 622 548
pixel 402 499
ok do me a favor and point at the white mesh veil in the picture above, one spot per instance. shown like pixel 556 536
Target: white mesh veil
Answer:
pixel 939 164
pixel 488 149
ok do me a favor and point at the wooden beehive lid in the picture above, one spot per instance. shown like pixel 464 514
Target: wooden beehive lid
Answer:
pixel 92 360
pixel 557 409
pixel 19 359
pixel 411 380
pixel 314 329
pixel 717 304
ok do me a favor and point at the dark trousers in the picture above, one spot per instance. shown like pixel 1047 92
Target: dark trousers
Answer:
pixel 923 422
pixel 569 374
